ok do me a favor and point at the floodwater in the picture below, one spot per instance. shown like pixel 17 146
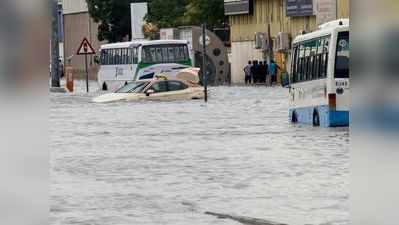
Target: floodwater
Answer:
pixel 169 162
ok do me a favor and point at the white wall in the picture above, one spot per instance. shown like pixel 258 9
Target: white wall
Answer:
pixel 74 6
pixel 241 53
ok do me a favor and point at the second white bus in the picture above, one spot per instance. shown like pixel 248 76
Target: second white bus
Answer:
pixel 319 76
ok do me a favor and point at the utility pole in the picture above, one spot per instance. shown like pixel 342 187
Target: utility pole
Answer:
pixel 204 72
pixel 55 76
pixel 269 44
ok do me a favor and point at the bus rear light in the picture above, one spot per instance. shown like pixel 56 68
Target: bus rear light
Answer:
pixel 332 101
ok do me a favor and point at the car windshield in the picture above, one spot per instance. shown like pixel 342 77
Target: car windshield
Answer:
pixel 134 87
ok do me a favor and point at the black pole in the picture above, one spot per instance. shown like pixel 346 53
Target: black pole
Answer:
pixel 55 76
pixel 269 44
pixel 87 75
pixel 204 72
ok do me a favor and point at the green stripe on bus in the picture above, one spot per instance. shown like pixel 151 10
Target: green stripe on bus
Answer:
pixel 146 65
pixel 141 66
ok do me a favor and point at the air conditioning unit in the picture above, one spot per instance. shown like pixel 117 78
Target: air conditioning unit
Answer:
pixel 283 41
pixel 260 39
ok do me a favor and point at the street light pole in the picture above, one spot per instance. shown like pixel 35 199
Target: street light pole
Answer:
pixel 204 72
pixel 55 76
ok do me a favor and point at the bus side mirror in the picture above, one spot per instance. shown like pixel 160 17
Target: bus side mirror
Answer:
pixel 149 92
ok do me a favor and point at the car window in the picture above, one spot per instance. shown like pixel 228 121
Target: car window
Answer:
pixel 160 86
pixel 134 87
pixel 176 86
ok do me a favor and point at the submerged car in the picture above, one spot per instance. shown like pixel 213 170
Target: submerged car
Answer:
pixel 156 90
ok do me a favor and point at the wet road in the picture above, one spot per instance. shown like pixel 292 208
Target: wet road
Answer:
pixel 169 162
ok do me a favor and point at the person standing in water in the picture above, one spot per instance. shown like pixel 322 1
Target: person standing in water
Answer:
pixel 247 72
pixel 273 72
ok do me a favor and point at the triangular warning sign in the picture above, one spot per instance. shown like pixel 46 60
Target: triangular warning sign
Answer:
pixel 85 48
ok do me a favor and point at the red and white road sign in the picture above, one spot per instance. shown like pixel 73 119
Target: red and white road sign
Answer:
pixel 85 48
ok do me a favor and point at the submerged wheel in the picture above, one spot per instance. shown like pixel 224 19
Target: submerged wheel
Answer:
pixel 316 118
pixel 294 117
pixel 105 87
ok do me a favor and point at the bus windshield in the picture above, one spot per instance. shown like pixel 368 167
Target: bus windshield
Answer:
pixel 342 55
pixel 169 53
pixel 133 87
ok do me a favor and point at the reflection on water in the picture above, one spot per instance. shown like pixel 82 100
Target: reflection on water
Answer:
pixel 168 162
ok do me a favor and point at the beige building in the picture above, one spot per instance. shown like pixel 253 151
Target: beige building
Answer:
pixel 78 25
pixel 264 13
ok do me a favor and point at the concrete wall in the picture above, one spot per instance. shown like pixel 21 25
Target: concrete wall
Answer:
pixel 343 8
pixel 76 27
pixel 74 6
pixel 240 57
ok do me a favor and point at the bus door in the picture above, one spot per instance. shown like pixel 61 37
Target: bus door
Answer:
pixel 107 68
pixel 124 64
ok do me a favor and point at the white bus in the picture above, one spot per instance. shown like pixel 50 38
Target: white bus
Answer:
pixel 319 76
pixel 123 62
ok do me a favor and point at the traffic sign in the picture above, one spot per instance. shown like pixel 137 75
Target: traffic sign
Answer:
pixel 86 48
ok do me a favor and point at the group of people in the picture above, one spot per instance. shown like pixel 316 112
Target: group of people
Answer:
pixel 260 72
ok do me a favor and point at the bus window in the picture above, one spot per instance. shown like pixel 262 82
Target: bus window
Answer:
pixel 104 57
pixel 294 64
pixel 149 54
pixel 186 54
pixel 135 55
pixel 153 57
pixel 319 56
pixel 181 55
pixel 124 56
pixel 313 53
pixel 301 63
pixel 165 53
pixel 307 61
pixel 111 56
pixel 159 57
pixel 342 56
pixel 325 57
pixel 117 56
pixel 171 54
pixel 129 56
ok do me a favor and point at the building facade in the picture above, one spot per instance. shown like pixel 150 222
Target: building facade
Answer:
pixel 273 18
pixel 77 25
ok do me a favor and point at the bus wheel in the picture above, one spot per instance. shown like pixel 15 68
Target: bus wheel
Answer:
pixel 105 87
pixel 294 117
pixel 316 118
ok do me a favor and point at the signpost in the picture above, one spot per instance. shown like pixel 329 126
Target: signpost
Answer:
pixel 238 7
pixel 86 49
pixel 55 64
pixel 299 8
